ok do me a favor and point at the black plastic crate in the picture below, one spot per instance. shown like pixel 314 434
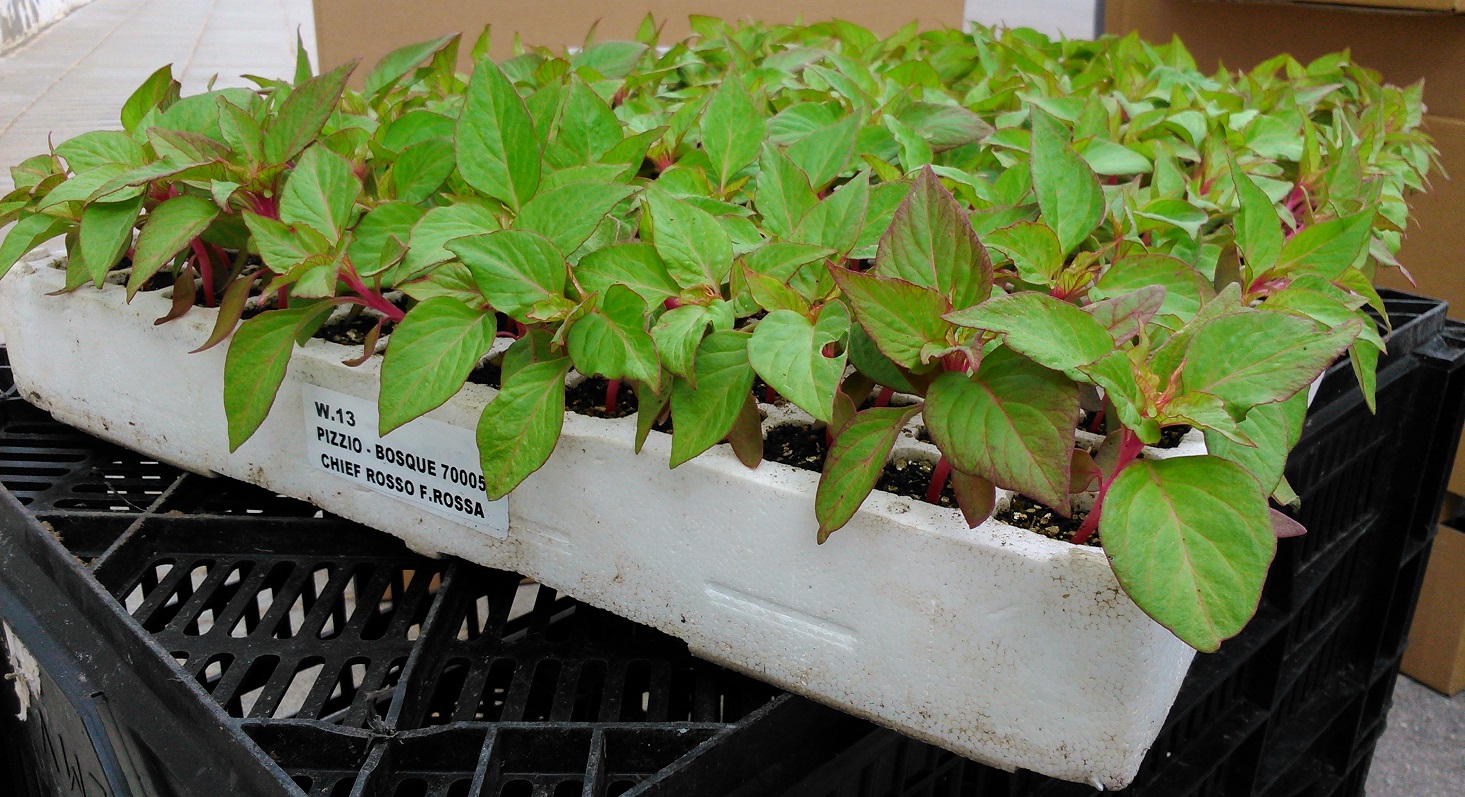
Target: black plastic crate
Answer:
pixel 292 652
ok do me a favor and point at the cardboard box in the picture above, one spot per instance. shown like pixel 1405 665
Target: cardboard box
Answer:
pixel 1404 47
pixel 369 29
pixel 1436 653
pixel 1439 6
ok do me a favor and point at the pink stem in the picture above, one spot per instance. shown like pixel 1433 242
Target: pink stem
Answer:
pixel 938 480
pixel 205 270
pixel 370 297
pixel 769 394
pixel 282 298
pixel 612 392
pixel 1129 447
pixel 886 393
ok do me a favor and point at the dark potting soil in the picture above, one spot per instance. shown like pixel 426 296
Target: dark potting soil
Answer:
pixel 911 477
pixel 1025 513
pixel 487 373
pixel 588 398
pixel 352 330
pixel 1170 436
pixel 799 446
pixel 806 447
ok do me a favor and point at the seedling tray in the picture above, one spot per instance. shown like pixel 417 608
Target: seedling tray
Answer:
pixel 191 635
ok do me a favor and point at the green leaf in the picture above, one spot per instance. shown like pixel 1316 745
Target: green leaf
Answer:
pixel 304 113
pixel 696 249
pixel 1190 541
pixel 157 91
pixel 1110 159
pixel 649 406
pixel 788 352
pixel 824 153
pixel 1274 429
pixel 944 126
pixel 520 427
pixel 634 265
pixel 320 193
pixel 772 294
pixel 1127 314
pixel 90 150
pixel 1049 331
pixel 106 232
pixel 1328 248
pixel 612 340
pixel 376 229
pixel 514 269
pixel 1176 213
pixel 421 169
pixel 854 464
pixel 835 223
pixel 1068 191
pixel 27 234
pixel 282 248
pixel 677 334
pixel 429 356
pixel 498 150
pixel 1258 358
pixel 930 243
pixel 1258 227
pixel 1033 248
pixel 428 244
pixel 612 59
pixel 567 215
pixel 255 366
pixel 703 415
pixel 1012 424
pixel 587 128
pixel 975 496
pixel 782 193
pixel 902 318
pixel 170 227
pixel 1185 288
pixel 732 130
pixel 401 62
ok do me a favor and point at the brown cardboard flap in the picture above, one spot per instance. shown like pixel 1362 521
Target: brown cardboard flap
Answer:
pixel 1436 654
pixel 1404 47
pixel 369 29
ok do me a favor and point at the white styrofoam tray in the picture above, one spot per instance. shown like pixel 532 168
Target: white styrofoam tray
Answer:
pixel 996 643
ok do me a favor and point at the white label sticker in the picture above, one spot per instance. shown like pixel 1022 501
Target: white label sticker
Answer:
pixel 425 463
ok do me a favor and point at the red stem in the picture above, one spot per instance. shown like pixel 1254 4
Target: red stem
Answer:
pixel 938 480
pixel 282 298
pixel 368 296
pixel 886 393
pixel 205 270
pixel 1129 447
pixel 612 392
pixel 769 394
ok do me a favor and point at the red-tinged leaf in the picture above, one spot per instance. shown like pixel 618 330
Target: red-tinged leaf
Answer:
pixel 1185 288
pixel 844 409
pixel 368 347
pixel 900 317
pixel 930 243
pixel 746 435
pixel 975 496
pixel 1285 527
pixel 650 406
pixel 1190 541
pixel 231 309
pixel 1257 358
pixel 184 293
pixel 854 464
pixel 1012 423
pixel 1084 474
pixel 1049 331
pixel 1124 316
pixel 520 427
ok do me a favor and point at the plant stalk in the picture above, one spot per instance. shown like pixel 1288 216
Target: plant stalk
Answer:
pixel 612 392
pixel 939 476
pixel 1129 447
pixel 205 271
